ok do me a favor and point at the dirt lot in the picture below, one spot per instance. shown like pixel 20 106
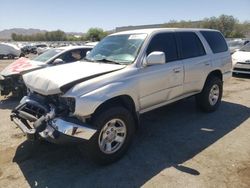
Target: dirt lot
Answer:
pixel 177 146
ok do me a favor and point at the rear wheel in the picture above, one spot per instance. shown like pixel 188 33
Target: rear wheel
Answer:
pixel 210 97
pixel 116 128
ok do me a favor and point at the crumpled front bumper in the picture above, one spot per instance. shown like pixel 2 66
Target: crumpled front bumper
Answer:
pixel 48 126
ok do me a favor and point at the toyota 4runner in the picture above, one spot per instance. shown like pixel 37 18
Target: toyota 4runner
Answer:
pixel 98 101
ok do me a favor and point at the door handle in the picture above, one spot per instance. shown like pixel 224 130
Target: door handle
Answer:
pixel 207 63
pixel 177 70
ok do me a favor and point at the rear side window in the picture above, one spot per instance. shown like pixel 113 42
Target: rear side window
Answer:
pixel 190 45
pixel 215 40
pixel 164 42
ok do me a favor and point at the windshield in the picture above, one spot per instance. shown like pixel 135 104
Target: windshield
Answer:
pixel 47 55
pixel 246 48
pixel 120 49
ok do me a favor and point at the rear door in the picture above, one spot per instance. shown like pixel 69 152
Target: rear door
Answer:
pixel 196 62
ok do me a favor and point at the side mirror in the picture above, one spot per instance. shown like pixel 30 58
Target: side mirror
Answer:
pixel 155 58
pixel 87 53
pixel 57 61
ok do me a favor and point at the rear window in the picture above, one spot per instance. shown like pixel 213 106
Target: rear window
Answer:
pixel 215 40
pixel 191 45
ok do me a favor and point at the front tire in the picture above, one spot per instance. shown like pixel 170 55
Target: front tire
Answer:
pixel 210 97
pixel 116 128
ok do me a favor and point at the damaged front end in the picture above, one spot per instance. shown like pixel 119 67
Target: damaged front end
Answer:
pixel 12 84
pixel 48 117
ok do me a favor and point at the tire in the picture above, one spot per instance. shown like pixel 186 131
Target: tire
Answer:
pixel 10 56
pixel 120 118
pixel 22 55
pixel 210 97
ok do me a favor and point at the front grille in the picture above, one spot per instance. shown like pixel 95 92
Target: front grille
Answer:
pixel 243 63
pixel 34 110
pixel 241 69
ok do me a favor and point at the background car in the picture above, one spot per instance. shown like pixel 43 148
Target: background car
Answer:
pixel 41 48
pixel 241 60
pixel 9 50
pixel 11 76
pixel 235 44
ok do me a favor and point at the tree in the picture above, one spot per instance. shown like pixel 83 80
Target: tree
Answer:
pixel 95 34
pixel 224 23
pixel 14 36
pixel 228 25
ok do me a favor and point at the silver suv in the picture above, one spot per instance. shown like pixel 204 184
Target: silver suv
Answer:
pixel 98 101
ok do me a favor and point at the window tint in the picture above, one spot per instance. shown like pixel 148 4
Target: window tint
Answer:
pixel 190 45
pixel 164 42
pixel 215 40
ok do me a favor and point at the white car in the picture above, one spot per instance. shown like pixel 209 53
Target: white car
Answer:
pixel 9 50
pixel 241 60
pixel 11 76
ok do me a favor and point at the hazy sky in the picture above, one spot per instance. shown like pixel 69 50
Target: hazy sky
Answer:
pixel 80 15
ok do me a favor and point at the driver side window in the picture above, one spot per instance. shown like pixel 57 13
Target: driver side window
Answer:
pixel 164 42
pixel 68 57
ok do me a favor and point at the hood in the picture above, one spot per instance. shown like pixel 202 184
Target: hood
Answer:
pixel 21 65
pixel 241 56
pixel 58 79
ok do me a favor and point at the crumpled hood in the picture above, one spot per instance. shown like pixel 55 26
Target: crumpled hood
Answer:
pixel 54 80
pixel 241 56
pixel 21 65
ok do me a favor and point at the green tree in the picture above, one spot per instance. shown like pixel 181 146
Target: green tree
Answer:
pixel 226 24
pixel 14 36
pixel 95 34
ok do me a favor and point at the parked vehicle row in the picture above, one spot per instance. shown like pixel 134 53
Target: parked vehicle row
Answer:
pixel 97 102
pixel 13 50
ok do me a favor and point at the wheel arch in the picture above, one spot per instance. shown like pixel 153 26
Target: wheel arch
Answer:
pixel 124 100
pixel 214 73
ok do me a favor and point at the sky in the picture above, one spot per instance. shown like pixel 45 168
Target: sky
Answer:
pixel 80 15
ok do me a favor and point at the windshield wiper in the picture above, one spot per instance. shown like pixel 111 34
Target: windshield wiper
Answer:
pixel 86 59
pixel 107 61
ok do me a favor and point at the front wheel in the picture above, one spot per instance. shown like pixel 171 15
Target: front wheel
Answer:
pixel 116 129
pixel 210 97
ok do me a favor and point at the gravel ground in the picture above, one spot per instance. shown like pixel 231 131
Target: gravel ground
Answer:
pixel 177 146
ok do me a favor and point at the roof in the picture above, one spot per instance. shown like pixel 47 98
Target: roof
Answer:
pixel 149 31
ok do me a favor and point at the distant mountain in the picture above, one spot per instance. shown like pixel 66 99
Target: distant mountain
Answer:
pixel 6 34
